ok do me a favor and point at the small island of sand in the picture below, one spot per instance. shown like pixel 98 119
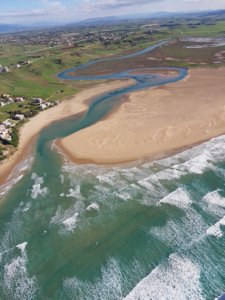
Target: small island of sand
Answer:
pixel 155 122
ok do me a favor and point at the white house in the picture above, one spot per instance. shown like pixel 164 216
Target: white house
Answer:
pixel 19 117
pixel 43 106
pixel 8 123
pixel 5 133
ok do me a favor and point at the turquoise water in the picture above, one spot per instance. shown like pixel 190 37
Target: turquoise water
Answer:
pixel 141 231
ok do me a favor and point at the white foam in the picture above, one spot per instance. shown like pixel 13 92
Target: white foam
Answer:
pixel 74 192
pixel 107 178
pixel 16 175
pixel 214 198
pixel 178 278
pixel 153 187
pixel 169 174
pixel 198 164
pixel 102 189
pixel 36 178
pixel 215 230
pixel 195 160
pixel 37 189
pixel 71 222
pixel 132 173
pixel 179 198
pixel 22 247
pixel 183 232
pixel 108 286
pixel 93 206
pixel 214 204
pixel 27 207
pixel 4 189
pixel 68 219
pixel 123 195
pixel 17 283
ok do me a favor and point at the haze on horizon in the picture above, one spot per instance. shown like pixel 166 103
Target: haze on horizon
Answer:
pixel 61 11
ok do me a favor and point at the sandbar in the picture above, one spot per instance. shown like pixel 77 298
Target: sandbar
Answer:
pixel 155 122
pixel 72 106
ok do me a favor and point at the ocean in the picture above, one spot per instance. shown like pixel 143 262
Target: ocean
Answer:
pixel 141 231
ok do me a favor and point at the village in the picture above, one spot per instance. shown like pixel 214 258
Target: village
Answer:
pixel 8 127
pixel 65 36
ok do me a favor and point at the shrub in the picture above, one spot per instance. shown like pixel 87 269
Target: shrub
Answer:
pixel 15 137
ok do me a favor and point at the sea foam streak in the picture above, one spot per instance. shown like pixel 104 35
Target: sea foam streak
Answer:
pixel 215 230
pixel 15 176
pixel 178 278
pixel 37 189
pixel 22 247
pixel 183 232
pixel 70 223
pixel 17 284
pixel 93 206
pixel 179 198
pixel 214 198
pixel 214 203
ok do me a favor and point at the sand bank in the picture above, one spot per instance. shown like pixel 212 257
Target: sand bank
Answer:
pixel 72 106
pixel 155 122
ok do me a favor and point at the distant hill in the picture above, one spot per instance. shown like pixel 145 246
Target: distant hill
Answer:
pixel 112 20
pixel 103 19
pixel 157 15
pixel 214 13
pixel 6 28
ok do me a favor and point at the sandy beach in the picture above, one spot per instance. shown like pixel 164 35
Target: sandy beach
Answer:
pixel 67 108
pixel 155 122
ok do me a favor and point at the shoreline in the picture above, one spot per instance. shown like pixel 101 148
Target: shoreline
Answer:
pixel 67 108
pixel 67 156
pixel 155 123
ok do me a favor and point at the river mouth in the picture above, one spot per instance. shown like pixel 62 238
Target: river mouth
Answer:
pixel 133 232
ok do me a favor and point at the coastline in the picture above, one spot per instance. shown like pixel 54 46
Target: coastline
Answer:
pixel 74 105
pixel 155 122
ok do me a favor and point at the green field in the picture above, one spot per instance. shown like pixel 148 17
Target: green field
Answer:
pixel 38 79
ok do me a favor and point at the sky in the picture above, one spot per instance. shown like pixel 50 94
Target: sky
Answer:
pixel 64 11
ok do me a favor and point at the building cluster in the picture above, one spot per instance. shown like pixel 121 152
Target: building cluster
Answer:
pixel 107 36
pixel 7 99
pixel 7 125
pixel 63 37
pixel 6 130
pixel 43 104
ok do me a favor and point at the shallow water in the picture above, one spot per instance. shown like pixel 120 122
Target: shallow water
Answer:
pixel 141 231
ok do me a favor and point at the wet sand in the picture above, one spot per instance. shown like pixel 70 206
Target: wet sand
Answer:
pixel 155 122
pixel 67 108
